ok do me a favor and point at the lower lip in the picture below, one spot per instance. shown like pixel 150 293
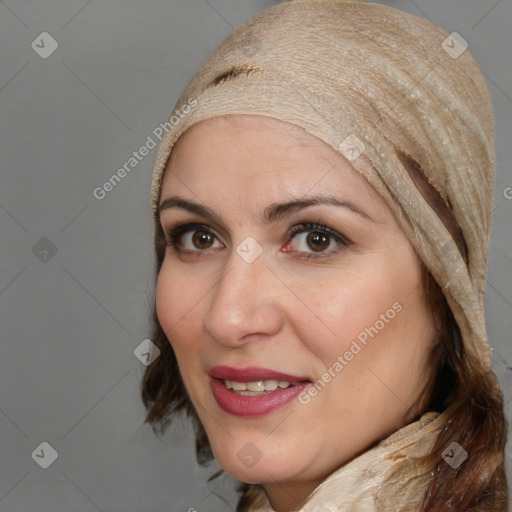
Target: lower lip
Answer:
pixel 253 406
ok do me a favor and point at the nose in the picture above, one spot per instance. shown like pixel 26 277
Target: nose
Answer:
pixel 245 303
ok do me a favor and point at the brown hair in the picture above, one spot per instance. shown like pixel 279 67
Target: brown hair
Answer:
pixel 472 399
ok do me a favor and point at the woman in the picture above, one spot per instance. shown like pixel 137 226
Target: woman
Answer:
pixel 322 203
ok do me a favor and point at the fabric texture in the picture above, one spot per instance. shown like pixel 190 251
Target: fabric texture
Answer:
pixel 374 83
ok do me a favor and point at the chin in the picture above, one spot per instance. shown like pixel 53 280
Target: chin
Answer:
pixel 262 474
pixel 250 465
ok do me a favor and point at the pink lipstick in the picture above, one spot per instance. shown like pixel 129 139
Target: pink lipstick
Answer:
pixel 252 392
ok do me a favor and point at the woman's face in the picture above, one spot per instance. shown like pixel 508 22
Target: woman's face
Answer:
pixel 257 286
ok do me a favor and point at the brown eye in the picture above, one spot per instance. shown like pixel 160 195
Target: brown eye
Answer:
pixel 192 238
pixel 317 241
pixel 202 239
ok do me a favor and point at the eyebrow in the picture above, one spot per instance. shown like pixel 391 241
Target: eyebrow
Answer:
pixel 272 213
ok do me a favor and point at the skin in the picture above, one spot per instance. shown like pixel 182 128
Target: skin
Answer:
pixel 286 312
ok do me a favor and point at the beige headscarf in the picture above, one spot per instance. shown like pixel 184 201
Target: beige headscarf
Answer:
pixel 368 79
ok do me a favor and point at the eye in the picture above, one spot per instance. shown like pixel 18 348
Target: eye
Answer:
pixel 192 238
pixel 316 238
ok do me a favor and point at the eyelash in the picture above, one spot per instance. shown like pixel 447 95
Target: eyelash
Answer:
pixel 174 234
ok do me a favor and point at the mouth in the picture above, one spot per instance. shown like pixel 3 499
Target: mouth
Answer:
pixel 251 392
pixel 254 379
pixel 256 387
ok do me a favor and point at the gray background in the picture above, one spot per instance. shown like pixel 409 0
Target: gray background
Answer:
pixel 70 321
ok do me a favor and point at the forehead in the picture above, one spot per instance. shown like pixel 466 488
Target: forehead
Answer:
pixel 256 149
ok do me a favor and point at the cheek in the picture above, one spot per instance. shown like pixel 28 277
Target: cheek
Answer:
pixel 378 302
pixel 166 304
pixel 176 307
pixel 344 308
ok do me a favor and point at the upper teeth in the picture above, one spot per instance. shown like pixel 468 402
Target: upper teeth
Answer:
pixel 257 385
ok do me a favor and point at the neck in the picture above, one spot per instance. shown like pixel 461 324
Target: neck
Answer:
pixel 289 496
